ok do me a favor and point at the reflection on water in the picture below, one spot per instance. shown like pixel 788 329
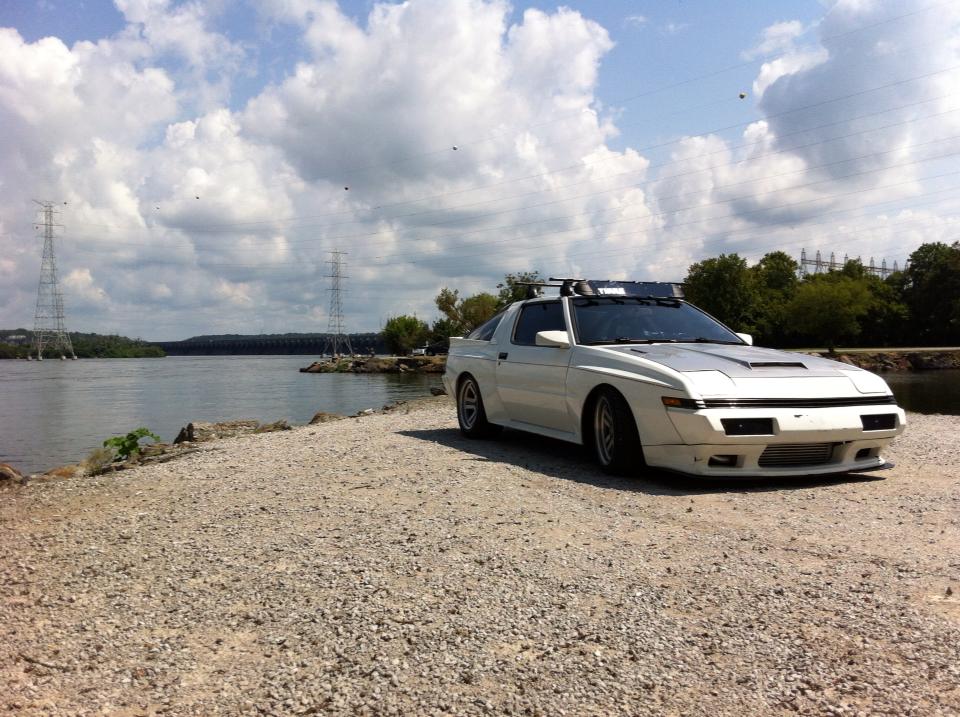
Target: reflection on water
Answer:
pixel 54 412
pixel 926 391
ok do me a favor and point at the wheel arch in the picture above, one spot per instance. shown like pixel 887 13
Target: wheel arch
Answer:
pixel 586 415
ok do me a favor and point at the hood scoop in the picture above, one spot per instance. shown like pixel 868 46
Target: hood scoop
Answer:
pixel 776 364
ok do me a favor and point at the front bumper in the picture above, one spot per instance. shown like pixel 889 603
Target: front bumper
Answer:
pixel 836 435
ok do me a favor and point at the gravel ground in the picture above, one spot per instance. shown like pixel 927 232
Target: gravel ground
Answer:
pixel 385 565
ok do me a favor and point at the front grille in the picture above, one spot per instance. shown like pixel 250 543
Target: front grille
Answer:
pixel 798 402
pixel 792 455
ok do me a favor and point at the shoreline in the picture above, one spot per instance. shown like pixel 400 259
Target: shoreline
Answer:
pixel 378 364
pixel 190 436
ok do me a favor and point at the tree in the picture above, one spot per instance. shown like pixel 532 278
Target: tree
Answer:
pixel 512 290
pixel 477 309
pixel 775 282
pixel 464 315
pixel 931 290
pixel 724 287
pixel 403 333
pixel 827 309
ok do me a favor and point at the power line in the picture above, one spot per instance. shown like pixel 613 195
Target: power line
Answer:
pixel 631 98
pixel 647 183
pixel 654 215
pixel 716 130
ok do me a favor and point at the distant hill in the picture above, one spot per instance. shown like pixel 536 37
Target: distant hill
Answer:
pixel 307 344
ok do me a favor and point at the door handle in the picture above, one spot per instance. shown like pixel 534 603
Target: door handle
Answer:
pixel 502 356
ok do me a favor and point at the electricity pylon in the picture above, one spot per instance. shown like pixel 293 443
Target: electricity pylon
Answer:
pixel 48 331
pixel 338 343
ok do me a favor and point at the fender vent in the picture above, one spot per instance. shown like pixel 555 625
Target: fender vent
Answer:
pixel 795 455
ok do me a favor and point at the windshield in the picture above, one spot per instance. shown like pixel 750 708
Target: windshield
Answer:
pixel 611 320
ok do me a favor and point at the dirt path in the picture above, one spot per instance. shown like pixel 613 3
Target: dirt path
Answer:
pixel 388 566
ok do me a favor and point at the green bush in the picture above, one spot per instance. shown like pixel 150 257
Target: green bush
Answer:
pixel 129 445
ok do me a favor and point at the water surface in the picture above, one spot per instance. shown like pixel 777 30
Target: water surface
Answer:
pixel 926 391
pixel 54 412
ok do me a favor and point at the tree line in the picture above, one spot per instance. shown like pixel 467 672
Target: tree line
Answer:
pixel 919 306
pixel 85 346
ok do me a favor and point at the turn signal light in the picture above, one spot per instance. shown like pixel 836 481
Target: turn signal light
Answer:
pixel 674 402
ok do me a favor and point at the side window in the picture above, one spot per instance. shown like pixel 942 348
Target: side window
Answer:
pixel 485 331
pixel 542 316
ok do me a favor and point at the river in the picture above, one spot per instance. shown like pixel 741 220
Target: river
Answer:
pixel 54 412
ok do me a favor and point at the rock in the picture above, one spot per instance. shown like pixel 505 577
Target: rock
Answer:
pixel 280 425
pixel 324 417
pixel 10 475
pixel 438 391
pixel 155 449
pixel 319 367
pixel 68 471
pixel 201 431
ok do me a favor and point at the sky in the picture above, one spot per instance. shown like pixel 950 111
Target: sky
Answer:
pixel 205 157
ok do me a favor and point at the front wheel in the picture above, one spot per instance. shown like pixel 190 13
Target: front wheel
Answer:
pixel 616 443
pixel 470 412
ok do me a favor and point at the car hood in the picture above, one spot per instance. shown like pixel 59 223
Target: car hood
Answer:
pixel 735 361
pixel 721 369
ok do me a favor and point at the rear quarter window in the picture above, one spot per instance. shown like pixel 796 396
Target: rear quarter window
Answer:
pixel 486 330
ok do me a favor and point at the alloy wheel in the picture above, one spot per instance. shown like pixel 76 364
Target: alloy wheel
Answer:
pixel 469 404
pixel 604 431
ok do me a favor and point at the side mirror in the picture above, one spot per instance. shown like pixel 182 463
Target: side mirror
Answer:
pixel 554 339
pixel 746 338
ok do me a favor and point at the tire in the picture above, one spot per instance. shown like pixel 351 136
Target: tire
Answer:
pixel 614 440
pixel 470 412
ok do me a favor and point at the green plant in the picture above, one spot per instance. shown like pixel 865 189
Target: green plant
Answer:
pixel 97 461
pixel 129 445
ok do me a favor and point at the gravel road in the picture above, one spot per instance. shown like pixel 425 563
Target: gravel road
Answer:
pixel 385 565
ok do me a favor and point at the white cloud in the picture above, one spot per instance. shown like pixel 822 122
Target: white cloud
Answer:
pixel 777 38
pixel 132 129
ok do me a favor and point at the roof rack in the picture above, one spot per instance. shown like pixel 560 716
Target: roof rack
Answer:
pixel 611 287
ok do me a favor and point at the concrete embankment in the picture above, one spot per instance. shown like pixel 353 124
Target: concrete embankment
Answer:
pixel 386 565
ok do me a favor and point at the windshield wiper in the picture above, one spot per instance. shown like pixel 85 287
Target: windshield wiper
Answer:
pixel 704 340
pixel 626 340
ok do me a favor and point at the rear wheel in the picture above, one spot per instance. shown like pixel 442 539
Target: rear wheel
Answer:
pixel 470 412
pixel 615 441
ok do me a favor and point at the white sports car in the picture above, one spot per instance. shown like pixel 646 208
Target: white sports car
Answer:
pixel 643 378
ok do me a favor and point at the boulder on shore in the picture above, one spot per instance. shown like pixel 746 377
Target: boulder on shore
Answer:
pixel 324 417
pixel 202 431
pixel 10 475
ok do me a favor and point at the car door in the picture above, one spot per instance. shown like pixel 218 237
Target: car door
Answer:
pixel 531 379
